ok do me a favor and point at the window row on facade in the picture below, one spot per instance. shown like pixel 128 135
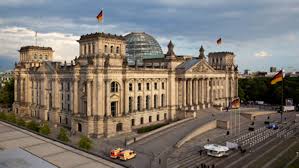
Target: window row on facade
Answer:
pixel 147 102
pixel 149 119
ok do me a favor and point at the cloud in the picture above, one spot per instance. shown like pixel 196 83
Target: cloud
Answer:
pixel 21 2
pixel 262 54
pixel 64 45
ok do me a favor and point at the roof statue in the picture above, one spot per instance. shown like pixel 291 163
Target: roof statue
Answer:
pixel 201 53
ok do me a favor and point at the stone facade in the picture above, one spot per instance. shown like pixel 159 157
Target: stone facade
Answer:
pixel 98 94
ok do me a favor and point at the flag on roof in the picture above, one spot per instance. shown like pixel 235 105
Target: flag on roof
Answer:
pixel 219 41
pixel 277 78
pixel 100 16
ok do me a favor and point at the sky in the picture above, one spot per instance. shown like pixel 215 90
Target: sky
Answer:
pixel 261 33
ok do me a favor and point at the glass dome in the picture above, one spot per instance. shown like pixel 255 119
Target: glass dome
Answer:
pixel 141 46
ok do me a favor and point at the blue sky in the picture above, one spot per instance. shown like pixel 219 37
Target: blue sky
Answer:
pixel 261 33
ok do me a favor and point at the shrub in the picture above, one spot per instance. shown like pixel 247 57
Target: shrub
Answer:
pixel 150 128
pixel 21 122
pixel 85 143
pixel 45 129
pixel 3 116
pixel 11 118
pixel 62 135
pixel 32 125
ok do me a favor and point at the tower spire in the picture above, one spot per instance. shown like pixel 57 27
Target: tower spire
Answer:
pixel 201 53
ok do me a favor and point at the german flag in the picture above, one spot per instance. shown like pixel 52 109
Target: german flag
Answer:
pixel 219 41
pixel 100 16
pixel 235 103
pixel 277 78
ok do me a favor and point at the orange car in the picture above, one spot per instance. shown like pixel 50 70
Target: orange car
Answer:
pixel 115 153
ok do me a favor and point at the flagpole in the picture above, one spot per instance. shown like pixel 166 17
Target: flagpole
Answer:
pixel 103 21
pixel 281 97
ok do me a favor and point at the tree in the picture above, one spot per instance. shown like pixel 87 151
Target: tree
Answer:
pixel 45 129
pixel 7 93
pixel 63 135
pixel 85 143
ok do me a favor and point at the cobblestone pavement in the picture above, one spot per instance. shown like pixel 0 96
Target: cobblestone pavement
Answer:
pixel 53 152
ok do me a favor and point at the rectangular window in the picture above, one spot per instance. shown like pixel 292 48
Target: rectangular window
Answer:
pixel 68 107
pixel 133 122
pixel 156 86
pixel 68 86
pixel 158 117
pixel 62 106
pixel 150 119
pixel 139 86
pixel 62 96
pixel 68 97
pixel 141 120
pixel 130 86
pixel 130 104
pixel 61 85
pixel 165 116
pixel 147 86
pixel 162 85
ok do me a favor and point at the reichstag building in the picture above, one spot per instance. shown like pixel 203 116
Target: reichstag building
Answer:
pixel 121 83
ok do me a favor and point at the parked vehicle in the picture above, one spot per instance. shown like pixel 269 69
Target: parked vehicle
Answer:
pixel 115 152
pixel 127 154
pixel 216 150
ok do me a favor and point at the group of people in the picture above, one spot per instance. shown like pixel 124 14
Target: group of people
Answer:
pixel 203 165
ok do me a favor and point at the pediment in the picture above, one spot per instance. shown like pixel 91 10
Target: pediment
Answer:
pixel 114 97
pixel 201 67
pixel 46 68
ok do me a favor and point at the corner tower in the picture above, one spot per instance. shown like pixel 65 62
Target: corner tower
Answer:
pixel 35 54
pixel 103 49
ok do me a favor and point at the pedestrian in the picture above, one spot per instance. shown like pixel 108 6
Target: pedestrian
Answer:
pixel 227 132
pixel 208 140
pixel 285 118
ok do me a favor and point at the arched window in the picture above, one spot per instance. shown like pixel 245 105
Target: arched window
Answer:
pixel 139 103
pixel 114 87
pixel 111 49
pixel 147 103
pixel 117 50
pixel 155 101
pixel 106 49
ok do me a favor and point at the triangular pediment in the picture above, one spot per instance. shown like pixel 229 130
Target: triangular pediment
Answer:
pixel 201 67
pixel 46 68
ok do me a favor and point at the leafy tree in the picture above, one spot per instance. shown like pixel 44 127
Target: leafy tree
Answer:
pixel 63 135
pixel 254 89
pixel 7 93
pixel 85 143
pixel 32 125
pixel 45 129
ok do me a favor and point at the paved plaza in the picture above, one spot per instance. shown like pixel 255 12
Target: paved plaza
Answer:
pixel 53 154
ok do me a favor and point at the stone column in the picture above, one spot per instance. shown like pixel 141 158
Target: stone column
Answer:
pixel 16 89
pixel 184 81
pixel 88 85
pixel 191 93
pixel 196 92
pixel 21 90
pixel 107 97
pixel 212 93
pixel 75 95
